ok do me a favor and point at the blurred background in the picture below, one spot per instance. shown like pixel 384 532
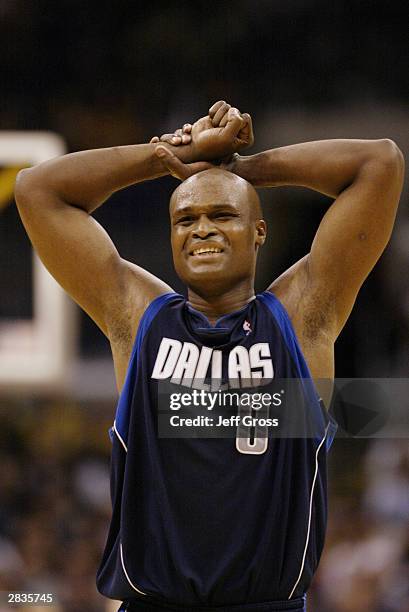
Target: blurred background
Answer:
pixel 109 73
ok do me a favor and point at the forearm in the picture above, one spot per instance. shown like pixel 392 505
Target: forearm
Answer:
pixel 87 178
pixel 327 166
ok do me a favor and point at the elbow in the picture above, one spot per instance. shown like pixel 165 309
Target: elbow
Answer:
pixel 390 157
pixel 22 186
pixel 385 165
pixel 26 186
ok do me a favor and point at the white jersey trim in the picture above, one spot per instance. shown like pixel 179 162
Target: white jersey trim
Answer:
pixel 310 513
pixel 126 573
pixel 119 437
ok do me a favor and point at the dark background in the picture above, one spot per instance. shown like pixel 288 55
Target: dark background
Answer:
pixel 109 73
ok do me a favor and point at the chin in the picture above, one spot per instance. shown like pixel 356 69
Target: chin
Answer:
pixel 209 282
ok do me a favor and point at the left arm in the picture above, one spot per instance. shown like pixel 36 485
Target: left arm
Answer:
pixel 365 178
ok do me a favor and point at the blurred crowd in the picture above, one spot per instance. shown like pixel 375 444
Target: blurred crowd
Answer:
pixel 55 507
pixel 55 510
pixel 365 564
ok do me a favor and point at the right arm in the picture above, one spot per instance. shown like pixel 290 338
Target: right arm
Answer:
pixel 55 200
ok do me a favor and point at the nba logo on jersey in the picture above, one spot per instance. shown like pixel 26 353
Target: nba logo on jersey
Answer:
pixel 247 327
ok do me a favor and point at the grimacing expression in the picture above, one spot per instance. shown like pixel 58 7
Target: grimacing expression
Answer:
pixel 216 230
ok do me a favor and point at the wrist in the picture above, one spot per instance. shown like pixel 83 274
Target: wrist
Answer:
pixel 261 169
pixel 156 164
pixel 244 166
pixel 185 153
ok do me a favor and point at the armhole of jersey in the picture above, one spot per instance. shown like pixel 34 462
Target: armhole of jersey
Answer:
pixel 121 423
pixel 283 321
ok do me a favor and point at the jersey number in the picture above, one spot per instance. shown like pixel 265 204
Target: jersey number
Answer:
pixel 251 439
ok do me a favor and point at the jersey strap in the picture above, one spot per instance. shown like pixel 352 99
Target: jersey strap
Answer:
pixel 283 320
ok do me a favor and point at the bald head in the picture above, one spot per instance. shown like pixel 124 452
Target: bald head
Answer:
pixel 216 231
pixel 219 185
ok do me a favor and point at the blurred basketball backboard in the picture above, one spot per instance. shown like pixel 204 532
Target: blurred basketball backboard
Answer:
pixel 37 326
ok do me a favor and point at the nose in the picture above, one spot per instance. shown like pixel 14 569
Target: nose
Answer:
pixel 204 228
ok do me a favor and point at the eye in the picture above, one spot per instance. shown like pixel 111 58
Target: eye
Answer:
pixel 186 220
pixel 224 216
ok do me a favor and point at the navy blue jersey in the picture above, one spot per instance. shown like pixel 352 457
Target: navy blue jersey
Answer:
pixel 211 521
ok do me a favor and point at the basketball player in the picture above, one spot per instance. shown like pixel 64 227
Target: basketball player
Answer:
pixel 214 524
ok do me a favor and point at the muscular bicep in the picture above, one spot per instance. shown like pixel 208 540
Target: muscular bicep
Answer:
pixel 80 255
pixel 353 234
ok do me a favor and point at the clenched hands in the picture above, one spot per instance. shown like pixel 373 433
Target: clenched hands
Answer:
pixel 223 132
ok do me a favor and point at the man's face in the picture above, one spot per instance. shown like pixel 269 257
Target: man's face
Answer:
pixel 215 231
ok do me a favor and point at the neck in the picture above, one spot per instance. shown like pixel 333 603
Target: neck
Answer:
pixel 216 305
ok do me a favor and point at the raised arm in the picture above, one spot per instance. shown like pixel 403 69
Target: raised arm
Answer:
pixel 55 201
pixel 365 178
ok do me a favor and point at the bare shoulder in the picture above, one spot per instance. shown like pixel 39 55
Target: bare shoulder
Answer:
pixel 138 289
pixel 312 316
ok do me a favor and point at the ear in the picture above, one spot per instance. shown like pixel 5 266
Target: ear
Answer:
pixel 261 232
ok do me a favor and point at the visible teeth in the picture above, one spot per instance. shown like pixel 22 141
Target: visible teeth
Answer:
pixel 202 250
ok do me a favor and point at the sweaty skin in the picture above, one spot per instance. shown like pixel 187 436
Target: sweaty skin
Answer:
pixel 365 179
pixel 218 211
